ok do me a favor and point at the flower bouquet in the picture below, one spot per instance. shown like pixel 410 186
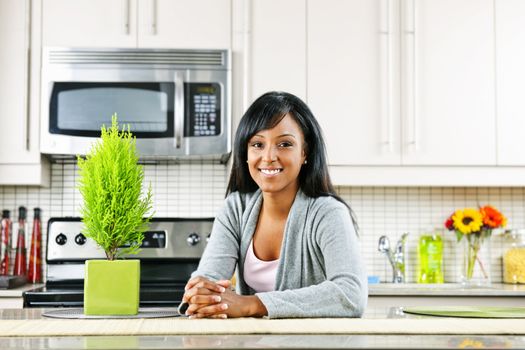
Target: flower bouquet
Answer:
pixel 476 226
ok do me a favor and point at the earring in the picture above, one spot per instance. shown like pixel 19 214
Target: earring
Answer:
pixel 246 160
pixel 305 161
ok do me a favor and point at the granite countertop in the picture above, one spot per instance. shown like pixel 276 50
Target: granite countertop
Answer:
pixel 445 289
pixel 378 318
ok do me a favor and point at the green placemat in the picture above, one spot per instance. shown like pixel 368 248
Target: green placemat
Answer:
pixel 468 311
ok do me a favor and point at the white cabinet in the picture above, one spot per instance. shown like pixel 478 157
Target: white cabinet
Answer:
pixel 449 83
pixel 20 159
pixel 201 24
pixel 137 23
pixel 510 69
pixel 353 67
pixel 403 82
pixel 277 47
pixel 89 23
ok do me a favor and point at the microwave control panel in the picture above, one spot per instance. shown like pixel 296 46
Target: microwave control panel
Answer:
pixel 203 109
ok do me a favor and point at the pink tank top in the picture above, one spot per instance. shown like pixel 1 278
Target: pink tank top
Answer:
pixel 259 274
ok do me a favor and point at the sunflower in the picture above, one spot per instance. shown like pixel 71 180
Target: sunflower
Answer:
pixel 467 220
pixel 492 217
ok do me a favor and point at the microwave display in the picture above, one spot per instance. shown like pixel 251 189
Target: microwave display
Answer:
pixel 203 114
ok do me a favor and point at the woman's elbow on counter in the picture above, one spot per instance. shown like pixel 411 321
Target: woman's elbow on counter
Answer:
pixel 357 300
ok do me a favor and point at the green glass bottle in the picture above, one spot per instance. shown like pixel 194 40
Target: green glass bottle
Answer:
pixel 430 258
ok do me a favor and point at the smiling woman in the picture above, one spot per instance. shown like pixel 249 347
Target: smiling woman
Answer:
pixel 292 240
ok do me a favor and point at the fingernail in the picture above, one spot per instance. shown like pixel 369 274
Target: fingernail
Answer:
pixel 222 289
pixel 217 298
pixel 224 316
pixel 224 306
pixel 191 317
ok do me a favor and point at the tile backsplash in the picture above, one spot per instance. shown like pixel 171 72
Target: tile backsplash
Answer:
pixel 196 189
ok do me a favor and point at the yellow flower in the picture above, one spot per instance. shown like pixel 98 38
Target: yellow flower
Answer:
pixel 467 220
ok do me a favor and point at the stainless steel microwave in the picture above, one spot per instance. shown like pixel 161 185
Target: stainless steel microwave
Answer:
pixel 176 102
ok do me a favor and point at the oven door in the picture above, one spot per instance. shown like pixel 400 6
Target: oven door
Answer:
pixel 161 295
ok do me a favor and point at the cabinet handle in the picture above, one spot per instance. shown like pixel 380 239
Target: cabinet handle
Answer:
pixel 178 109
pixel 27 106
pixel 154 17
pixel 247 56
pixel 126 16
pixel 386 33
pixel 412 67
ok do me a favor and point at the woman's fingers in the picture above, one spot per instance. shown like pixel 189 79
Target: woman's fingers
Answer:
pixel 202 282
pixel 206 311
pixel 224 283
pixel 205 299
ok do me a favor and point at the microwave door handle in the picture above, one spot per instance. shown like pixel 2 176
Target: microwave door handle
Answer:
pixel 179 109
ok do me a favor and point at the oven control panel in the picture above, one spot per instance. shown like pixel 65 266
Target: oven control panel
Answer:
pixel 164 239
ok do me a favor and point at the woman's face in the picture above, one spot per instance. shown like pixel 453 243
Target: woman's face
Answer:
pixel 275 157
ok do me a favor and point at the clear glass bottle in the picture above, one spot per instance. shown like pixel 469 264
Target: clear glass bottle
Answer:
pixel 430 258
pixel 514 257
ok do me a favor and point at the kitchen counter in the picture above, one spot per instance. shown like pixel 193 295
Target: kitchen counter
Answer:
pixel 379 328
pixel 17 292
pixel 12 298
pixel 446 294
pixel 446 289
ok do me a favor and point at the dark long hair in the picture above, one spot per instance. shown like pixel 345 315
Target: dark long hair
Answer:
pixel 265 113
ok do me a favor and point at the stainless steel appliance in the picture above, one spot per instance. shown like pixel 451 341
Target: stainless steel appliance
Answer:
pixel 170 252
pixel 177 102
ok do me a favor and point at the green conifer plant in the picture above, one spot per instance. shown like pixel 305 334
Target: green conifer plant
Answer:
pixel 114 209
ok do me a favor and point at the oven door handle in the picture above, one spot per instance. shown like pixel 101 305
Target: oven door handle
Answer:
pixel 178 109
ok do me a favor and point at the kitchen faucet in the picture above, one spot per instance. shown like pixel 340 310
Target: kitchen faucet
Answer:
pixel 396 257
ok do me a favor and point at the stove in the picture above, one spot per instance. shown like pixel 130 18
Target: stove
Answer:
pixel 170 252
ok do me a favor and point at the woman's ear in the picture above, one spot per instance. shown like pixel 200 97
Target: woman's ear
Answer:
pixel 304 155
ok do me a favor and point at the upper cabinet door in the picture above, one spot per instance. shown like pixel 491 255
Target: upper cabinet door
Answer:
pixel 353 75
pixel 14 70
pixel 188 24
pixel 510 69
pixel 277 47
pixel 89 23
pixel 448 99
pixel 20 159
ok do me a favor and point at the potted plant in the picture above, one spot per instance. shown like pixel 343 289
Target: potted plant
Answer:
pixel 113 214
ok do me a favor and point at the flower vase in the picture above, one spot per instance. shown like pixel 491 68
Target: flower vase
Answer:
pixel 476 259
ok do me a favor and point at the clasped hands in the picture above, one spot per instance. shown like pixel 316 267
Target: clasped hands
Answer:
pixel 208 299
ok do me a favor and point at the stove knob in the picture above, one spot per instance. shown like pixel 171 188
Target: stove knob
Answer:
pixel 193 239
pixel 61 239
pixel 80 239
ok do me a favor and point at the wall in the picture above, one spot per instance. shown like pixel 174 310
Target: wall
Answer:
pixel 197 189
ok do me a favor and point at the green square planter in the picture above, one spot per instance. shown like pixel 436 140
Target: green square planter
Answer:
pixel 112 287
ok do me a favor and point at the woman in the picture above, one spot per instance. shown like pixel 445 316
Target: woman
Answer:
pixel 291 237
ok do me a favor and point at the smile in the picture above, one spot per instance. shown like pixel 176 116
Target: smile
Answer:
pixel 270 171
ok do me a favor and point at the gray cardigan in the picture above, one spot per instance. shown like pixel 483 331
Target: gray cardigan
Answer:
pixel 320 273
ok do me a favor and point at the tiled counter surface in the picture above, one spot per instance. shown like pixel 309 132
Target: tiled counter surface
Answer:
pixel 236 341
pixel 412 294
